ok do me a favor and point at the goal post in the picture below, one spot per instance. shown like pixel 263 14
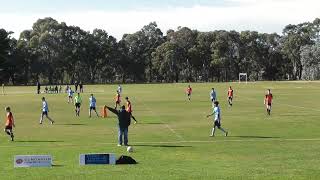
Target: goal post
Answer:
pixel 241 75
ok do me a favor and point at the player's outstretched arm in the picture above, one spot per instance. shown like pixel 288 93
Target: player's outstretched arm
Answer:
pixel 113 110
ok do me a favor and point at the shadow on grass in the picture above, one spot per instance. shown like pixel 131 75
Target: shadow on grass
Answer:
pixel 166 146
pixel 262 137
pixel 150 123
pixel 57 165
pixel 31 141
pixel 71 124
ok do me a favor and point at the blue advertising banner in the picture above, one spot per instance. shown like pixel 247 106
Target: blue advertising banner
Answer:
pixel 101 158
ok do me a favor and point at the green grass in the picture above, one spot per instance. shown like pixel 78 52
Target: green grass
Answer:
pixel 171 140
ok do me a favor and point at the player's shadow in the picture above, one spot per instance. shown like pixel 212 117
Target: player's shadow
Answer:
pixel 57 165
pixel 34 141
pixel 261 137
pixel 71 124
pixel 162 145
pixel 151 123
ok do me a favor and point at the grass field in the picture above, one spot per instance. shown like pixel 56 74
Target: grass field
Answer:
pixel 171 140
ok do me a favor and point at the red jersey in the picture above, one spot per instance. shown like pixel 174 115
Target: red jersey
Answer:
pixel 230 93
pixel 189 90
pixel 129 107
pixel 9 120
pixel 268 98
pixel 117 98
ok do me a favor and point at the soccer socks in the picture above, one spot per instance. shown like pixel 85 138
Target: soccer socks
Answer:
pixel 7 132
pixel 212 131
pixel 134 118
pixel 41 119
pixel 12 136
pixel 10 133
pixel 77 112
pixel 223 130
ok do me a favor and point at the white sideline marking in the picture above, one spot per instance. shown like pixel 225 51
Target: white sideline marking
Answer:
pixel 302 107
pixel 167 125
pixel 168 142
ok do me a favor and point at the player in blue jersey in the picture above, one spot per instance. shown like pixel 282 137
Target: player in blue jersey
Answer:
pixel 45 111
pixel 92 104
pixel 217 119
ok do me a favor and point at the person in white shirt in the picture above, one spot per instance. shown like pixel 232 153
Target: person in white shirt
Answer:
pixel 92 102
pixel 217 119
pixel 119 89
pixel 70 95
pixel 45 111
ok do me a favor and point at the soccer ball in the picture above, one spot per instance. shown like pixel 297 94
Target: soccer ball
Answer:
pixel 129 149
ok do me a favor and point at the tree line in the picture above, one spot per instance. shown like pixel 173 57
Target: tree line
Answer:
pixel 55 53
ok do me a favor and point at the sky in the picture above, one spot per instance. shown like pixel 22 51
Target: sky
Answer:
pixel 118 17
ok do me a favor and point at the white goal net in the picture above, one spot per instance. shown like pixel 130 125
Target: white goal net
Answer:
pixel 243 77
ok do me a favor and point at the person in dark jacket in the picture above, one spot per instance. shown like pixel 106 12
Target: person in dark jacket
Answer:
pixel 124 123
pixel 38 87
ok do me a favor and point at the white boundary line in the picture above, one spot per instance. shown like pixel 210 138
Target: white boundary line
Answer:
pixel 168 142
pixel 166 125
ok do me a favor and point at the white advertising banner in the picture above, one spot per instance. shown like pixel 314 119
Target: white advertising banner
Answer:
pixel 32 161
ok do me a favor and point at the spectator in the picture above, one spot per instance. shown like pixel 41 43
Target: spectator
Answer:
pixel 124 123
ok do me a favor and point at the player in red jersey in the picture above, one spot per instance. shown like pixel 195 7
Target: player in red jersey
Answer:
pixel 230 96
pixel 268 101
pixel 117 99
pixel 189 92
pixel 9 123
pixel 129 110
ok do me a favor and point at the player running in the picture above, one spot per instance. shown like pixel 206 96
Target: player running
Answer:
pixel 230 96
pixel 189 92
pixel 70 95
pixel 117 100
pixel 268 101
pixel 77 103
pixel 92 102
pixel 129 110
pixel 217 119
pixel 45 111
pixel 9 123
pixel 119 89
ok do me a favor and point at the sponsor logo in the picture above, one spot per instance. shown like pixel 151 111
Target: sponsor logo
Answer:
pixel 33 161
pixel 19 161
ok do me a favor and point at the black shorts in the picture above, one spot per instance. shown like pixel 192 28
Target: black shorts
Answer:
pixel 230 98
pixel 217 124
pixel 44 113
pixel 92 108
pixel 70 96
pixel 269 104
pixel 78 105
pixel 213 100
pixel 8 128
pixel 117 102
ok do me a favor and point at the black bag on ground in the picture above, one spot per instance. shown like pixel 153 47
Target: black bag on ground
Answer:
pixel 126 160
